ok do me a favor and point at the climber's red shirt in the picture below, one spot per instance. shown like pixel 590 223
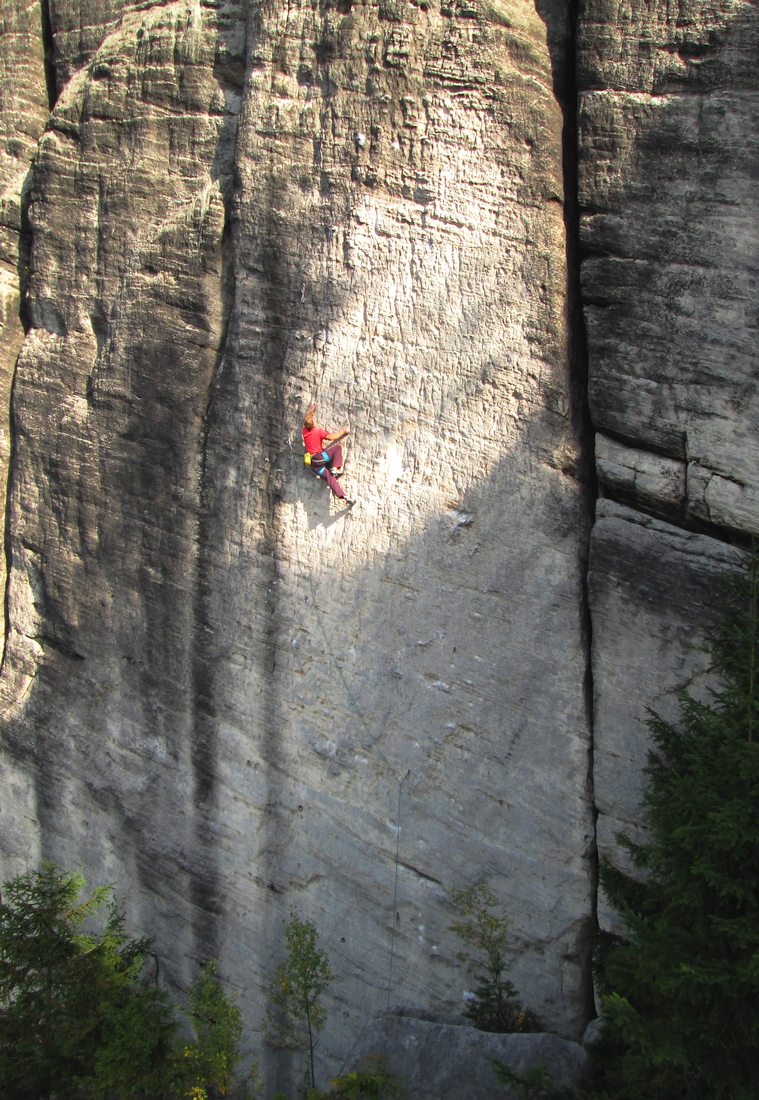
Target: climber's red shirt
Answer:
pixel 313 438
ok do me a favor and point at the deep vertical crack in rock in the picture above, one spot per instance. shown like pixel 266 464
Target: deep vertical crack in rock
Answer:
pixel 584 428
pixel 7 543
pixel 22 269
pixel 48 46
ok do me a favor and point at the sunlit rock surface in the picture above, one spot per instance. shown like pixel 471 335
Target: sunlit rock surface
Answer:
pixel 23 113
pixel 125 298
pixel 222 690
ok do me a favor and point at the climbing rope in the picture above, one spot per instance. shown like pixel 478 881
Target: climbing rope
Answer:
pixel 395 888
pixel 357 710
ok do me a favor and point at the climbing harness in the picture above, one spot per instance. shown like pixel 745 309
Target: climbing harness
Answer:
pixel 323 459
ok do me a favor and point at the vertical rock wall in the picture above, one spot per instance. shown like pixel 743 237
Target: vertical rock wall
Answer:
pixel 399 252
pixel 126 299
pixel 669 153
pixel 23 113
pixel 221 688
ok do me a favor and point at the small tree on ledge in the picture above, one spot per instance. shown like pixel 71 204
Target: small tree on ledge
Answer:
pixel 485 927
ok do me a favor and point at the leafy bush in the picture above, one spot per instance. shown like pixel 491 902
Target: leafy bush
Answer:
pixel 372 1082
pixel 78 1015
pixel 534 1084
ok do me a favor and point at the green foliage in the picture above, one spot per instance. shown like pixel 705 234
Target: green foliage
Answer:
pixel 295 1011
pixel 78 1017
pixel 681 991
pixel 534 1084
pixel 209 1061
pixel 485 928
pixel 372 1082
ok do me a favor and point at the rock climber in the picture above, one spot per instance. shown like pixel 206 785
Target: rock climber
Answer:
pixel 325 462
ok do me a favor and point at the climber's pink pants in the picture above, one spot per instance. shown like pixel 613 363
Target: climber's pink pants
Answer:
pixel 322 469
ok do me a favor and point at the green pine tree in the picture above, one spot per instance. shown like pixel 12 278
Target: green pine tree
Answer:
pixel 76 1016
pixel 681 991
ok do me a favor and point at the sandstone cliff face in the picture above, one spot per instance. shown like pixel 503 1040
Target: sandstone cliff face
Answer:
pixel 221 688
pixel 125 297
pixel 241 696
pixel 24 109
pixel 669 149
pixel 668 154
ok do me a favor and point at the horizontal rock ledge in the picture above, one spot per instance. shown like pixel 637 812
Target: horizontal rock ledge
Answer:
pixel 432 1060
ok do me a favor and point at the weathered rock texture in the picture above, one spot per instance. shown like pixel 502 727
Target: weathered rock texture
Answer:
pixel 125 297
pixel 669 156
pixel 649 584
pixel 668 161
pixel 433 1059
pixel 243 699
pixel 24 109
pixel 222 691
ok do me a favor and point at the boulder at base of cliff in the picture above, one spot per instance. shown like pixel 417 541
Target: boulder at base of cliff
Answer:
pixel 432 1060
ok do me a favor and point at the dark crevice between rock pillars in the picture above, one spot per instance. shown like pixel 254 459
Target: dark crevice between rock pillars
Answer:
pixel 48 46
pixel 22 269
pixel 24 262
pixel 585 434
pixel 7 548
